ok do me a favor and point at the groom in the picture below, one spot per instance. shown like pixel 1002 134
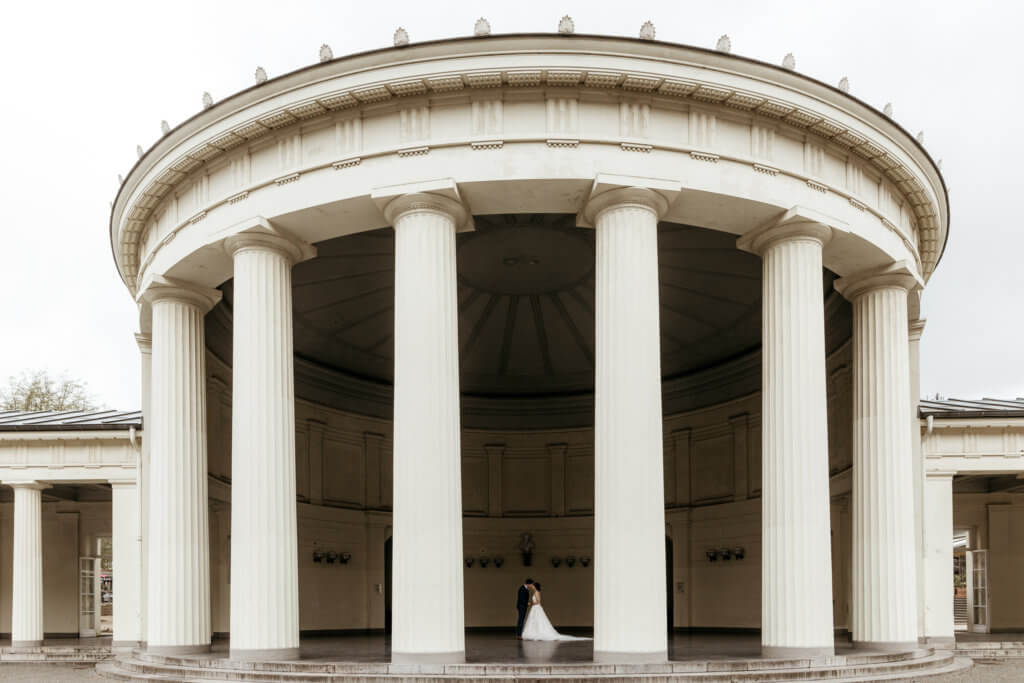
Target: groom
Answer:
pixel 522 604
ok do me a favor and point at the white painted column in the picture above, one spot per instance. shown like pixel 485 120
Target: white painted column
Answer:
pixel 145 343
pixel 915 330
pixel 796 561
pixel 178 585
pixel 126 557
pixel 884 571
pixel 264 536
pixel 938 559
pixel 27 592
pixel 629 493
pixel 428 614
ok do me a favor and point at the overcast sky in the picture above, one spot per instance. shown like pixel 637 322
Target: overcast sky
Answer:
pixel 84 82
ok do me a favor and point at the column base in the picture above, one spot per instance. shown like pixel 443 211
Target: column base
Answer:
pixel 601 657
pixel 174 650
pixel 886 645
pixel 16 644
pixel 125 645
pixel 777 652
pixel 275 654
pixel 428 657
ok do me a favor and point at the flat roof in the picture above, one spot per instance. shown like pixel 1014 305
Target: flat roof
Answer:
pixel 974 408
pixel 69 420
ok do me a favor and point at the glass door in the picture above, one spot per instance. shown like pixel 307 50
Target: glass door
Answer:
pixel 977 591
pixel 87 597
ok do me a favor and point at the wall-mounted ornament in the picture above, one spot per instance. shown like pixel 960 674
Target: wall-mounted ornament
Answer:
pixel 570 562
pixel 556 561
pixel 469 562
pixel 484 561
pixel 585 561
pixel 526 547
pixel 498 561
pixel 739 552
pixel 711 554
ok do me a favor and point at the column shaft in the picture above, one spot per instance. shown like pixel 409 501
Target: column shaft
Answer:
pixel 264 543
pixel 629 507
pixel 796 594
pixel 178 601
pixel 145 343
pixel 27 595
pixel 126 557
pixel 938 558
pixel 884 570
pixel 428 615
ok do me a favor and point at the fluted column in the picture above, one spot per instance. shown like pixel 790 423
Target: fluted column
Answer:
pixel 27 592
pixel 124 505
pixel 264 537
pixel 884 570
pixel 796 564
pixel 145 343
pixel 629 505
pixel 428 615
pixel 178 585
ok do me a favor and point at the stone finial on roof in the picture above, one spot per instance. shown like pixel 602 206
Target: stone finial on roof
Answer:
pixel 261 75
pixel 165 127
pixel 326 53
pixel 566 25
pixel 920 137
pixel 401 37
pixel 789 62
pixel 939 164
pixel 207 100
pixel 120 179
pixel 482 28
pixel 724 44
pixel 887 109
pixel 844 84
pixel 139 151
pixel 647 31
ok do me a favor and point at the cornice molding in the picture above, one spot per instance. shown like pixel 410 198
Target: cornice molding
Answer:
pixel 154 178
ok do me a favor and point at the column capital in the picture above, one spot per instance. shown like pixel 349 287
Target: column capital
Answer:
pixel 145 342
pixel 26 484
pixel 896 275
pixel 429 202
pixel 916 329
pixel 796 223
pixel 162 288
pixel 625 196
pixel 259 233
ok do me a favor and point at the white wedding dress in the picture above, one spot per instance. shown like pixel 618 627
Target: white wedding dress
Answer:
pixel 538 627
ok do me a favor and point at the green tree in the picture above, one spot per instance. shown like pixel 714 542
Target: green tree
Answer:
pixel 38 390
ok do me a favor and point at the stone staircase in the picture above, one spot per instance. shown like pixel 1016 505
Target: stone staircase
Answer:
pixel 959 610
pixel 977 649
pixel 916 664
pixel 70 654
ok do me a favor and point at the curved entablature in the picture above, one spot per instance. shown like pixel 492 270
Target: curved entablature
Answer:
pixel 530 123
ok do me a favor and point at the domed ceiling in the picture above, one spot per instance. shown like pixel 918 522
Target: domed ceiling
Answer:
pixel 526 304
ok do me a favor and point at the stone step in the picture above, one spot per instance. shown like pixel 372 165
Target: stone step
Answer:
pixel 130 668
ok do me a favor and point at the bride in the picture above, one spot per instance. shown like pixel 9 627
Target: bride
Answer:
pixel 537 626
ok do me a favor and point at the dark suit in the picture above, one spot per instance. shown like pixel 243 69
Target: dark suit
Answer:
pixel 522 604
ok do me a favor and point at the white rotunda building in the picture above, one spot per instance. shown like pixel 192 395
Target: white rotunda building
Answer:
pixel 635 317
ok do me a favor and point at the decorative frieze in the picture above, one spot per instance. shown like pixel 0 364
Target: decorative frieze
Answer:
pixel 346 163
pixel 705 156
pixel 635 147
pixel 767 170
pixel 818 187
pixel 284 180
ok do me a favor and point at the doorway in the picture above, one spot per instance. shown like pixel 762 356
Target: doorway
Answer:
pixel 387 586
pixel 669 582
